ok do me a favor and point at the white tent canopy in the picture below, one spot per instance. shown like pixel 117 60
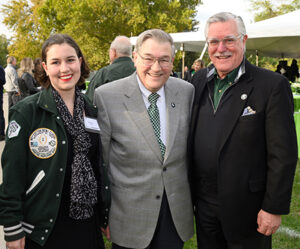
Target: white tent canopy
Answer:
pixel 187 41
pixel 275 37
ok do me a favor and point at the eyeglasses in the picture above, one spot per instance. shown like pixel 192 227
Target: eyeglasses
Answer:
pixel 148 61
pixel 228 41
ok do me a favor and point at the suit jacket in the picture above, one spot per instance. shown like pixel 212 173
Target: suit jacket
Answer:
pixel 257 154
pixel 137 172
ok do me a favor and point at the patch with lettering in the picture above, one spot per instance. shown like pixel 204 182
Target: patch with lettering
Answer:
pixel 13 129
pixel 43 143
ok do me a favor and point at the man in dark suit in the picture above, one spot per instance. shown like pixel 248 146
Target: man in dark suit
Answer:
pixel 243 149
pixel 2 121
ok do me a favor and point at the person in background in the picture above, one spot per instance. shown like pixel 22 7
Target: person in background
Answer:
pixel 242 145
pixel 174 74
pixel 294 71
pixel 278 68
pixel 37 68
pixel 121 65
pixel 144 121
pixel 26 83
pixel 189 74
pixel 283 68
pixel 11 76
pixel 2 120
pixel 55 192
pixel 186 69
pixel 197 65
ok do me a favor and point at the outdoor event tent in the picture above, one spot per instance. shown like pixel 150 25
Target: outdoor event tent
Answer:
pixel 185 41
pixel 275 37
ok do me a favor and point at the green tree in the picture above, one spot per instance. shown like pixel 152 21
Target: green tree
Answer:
pixel 265 9
pixel 3 50
pixel 93 23
pixel 20 16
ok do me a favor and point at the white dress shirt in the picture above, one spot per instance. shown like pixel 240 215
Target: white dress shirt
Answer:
pixel 161 105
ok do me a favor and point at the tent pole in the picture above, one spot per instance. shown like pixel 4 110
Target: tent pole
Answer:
pixel 256 58
pixel 183 55
pixel 203 51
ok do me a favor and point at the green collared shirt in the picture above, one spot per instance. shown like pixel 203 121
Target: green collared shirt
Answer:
pixel 222 84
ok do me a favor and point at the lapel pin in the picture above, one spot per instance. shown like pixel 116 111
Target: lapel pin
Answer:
pixel 244 96
pixel 173 104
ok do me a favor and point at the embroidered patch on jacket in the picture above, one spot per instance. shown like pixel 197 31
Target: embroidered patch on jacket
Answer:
pixel 43 143
pixel 13 129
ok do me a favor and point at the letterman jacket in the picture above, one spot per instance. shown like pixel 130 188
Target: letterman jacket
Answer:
pixel 34 162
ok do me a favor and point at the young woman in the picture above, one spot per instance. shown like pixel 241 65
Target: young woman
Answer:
pixel 55 192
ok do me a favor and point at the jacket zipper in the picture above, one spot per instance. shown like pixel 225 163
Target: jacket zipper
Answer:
pixel 212 103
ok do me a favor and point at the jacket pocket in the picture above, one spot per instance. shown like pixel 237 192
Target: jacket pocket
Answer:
pixel 252 117
pixel 36 181
pixel 257 185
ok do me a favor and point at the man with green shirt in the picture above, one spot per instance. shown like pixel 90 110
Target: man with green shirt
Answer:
pixel 242 146
pixel 121 66
pixel 222 84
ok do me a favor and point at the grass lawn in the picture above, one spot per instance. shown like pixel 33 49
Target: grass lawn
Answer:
pixel 292 221
pixel 281 240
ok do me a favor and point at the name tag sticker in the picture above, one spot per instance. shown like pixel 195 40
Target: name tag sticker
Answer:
pixel 91 124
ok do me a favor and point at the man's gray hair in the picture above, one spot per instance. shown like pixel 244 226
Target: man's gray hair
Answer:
pixel 156 34
pixel 224 17
pixel 10 59
pixel 122 45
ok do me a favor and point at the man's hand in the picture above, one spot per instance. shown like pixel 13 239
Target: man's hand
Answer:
pixel 268 223
pixel 17 244
pixel 106 232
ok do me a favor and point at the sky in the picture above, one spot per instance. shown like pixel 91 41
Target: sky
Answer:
pixel 208 8
pixel 3 29
pixel 237 7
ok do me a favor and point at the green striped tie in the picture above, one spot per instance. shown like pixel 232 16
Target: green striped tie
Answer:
pixel 154 118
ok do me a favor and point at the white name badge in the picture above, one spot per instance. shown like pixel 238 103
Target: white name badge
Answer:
pixel 91 124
